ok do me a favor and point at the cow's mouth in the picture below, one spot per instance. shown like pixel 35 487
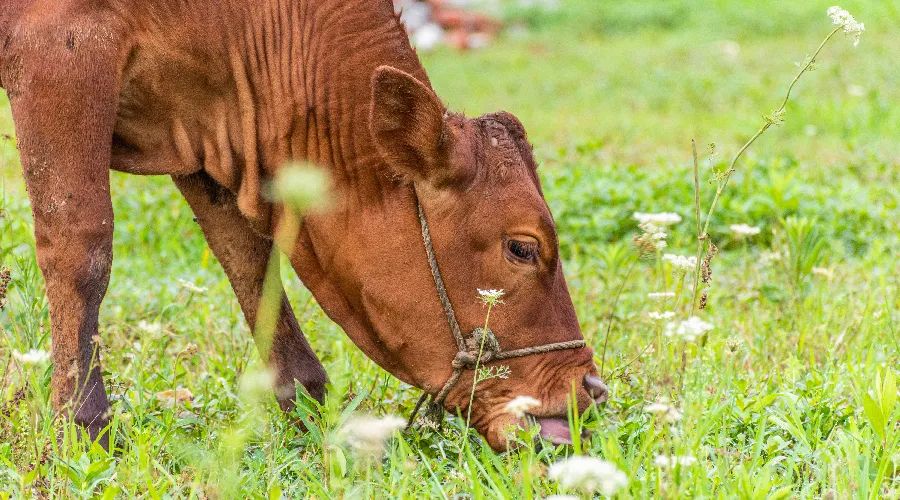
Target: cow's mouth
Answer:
pixel 555 429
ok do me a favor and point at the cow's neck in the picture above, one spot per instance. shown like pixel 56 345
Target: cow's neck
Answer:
pixel 350 40
pixel 328 85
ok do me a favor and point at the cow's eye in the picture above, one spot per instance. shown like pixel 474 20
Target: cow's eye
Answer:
pixel 523 251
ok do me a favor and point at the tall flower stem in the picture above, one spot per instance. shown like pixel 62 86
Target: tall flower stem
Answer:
pixel 771 120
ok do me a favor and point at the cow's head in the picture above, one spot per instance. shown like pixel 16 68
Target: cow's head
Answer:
pixel 491 228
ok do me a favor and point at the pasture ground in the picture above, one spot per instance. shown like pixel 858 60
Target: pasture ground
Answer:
pixel 785 397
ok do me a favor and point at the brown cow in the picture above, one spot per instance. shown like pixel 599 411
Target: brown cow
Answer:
pixel 218 94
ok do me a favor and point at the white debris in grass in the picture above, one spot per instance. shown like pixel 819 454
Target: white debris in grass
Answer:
pixel 589 475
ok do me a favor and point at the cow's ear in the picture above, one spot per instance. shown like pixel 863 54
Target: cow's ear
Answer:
pixel 408 126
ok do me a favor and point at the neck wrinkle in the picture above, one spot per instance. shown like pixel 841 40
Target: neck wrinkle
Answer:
pixel 337 91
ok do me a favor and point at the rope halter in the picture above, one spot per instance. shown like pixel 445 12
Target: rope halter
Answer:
pixel 467 355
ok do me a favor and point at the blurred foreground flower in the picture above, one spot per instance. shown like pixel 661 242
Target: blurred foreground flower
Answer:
pixel 823 272
pixel 520 405
pixel 851 26
pixel 742 230
pixel 256 385
pixel 688 329
pixel 588 475
pixel 669 461
pixel 300 187
pixel 661 295
pixel 664 410
pixel 660 219
pixel 367 435
pixel 171 397
pixel 151 328
pixel 31 357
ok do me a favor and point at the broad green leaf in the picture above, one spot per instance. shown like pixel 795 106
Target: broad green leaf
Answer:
pixel 873 413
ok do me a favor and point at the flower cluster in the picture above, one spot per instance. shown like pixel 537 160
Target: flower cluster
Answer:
pixel 688 329
pixel 660 219
pixel 845 20
pixel 658 316
pixel 681 262
pixel 652 238
pixel 588 475
pixel 742 230
pixel 661 295
pixel 491 297
pixel 664 410
pixel 670 461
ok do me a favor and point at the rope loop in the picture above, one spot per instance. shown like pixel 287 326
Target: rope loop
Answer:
pixel 481 340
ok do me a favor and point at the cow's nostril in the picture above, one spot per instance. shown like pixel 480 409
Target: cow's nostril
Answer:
pixel 596 388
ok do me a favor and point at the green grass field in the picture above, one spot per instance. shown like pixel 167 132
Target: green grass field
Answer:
pixel 789 396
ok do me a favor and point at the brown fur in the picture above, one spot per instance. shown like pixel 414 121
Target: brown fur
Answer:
pixel 218 95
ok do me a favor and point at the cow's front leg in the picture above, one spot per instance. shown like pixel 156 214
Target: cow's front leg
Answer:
pixel 244 255
pixel 63 96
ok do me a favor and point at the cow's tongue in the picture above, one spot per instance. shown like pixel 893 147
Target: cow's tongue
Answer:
pixel 555 430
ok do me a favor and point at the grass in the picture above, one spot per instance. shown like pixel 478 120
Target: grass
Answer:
pixel 786 397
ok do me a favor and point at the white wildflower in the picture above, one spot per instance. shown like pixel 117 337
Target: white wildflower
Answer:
pixel 368 435
pixel 856 90
pixel 31 357
pixel 842 18
pixel 588 474
pixel 769 257
pixel 688 329
pixel 659 219
pixel 655 315
pixel 258 384
pixel 743 230
pixel 187 285
pixel 664 410
pixel 655 234
pixel 151 328
pixel 563 497
pixel 491 297
pixel 823 272
pixel 661 295
pixel 680 261
pixel 520 405
pixel 669 461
